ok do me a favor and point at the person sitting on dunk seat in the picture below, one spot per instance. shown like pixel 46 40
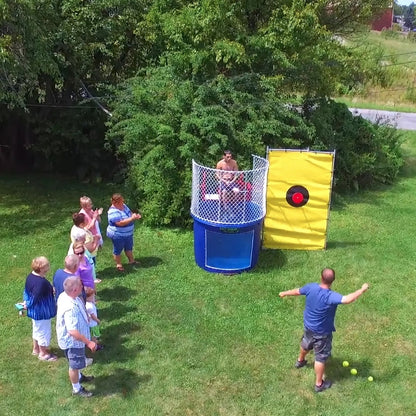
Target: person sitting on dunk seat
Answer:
pixel 227 179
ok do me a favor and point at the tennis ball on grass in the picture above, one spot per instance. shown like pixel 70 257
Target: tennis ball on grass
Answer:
pixel 354 371
pixel 370 378
pixel 345 363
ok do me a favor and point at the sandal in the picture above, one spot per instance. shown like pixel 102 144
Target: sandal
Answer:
pixel 120 268
pixel 35 353
pixel 49 357
pixel 134 262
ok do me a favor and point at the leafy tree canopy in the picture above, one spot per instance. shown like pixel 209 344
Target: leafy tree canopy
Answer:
pixel 188 78
pixel 223 80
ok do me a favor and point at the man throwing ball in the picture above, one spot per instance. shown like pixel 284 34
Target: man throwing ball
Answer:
pixel 318 319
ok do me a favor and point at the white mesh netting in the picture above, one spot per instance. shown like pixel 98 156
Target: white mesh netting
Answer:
pixel 227 197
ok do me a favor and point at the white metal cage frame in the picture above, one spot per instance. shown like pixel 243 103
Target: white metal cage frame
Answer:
pixel 233 198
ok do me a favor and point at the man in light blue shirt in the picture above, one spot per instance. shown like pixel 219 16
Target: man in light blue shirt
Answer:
pixel 73 333
pixel 318 319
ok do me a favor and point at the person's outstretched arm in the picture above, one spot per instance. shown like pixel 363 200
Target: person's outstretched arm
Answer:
pixel 354 295
pixel 293 292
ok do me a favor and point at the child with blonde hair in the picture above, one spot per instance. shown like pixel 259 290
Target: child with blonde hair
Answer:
pixel 92 217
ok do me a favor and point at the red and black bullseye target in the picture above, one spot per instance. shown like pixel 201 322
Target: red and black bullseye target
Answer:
pixel 297 196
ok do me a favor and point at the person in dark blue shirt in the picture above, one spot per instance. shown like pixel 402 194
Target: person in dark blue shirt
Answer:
pixel 318 319
pixel 40 304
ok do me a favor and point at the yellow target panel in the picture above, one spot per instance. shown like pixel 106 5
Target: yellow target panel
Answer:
pixel 298 199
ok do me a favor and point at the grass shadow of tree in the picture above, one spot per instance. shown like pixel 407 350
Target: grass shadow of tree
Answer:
pixel 30 197
pixel 408 170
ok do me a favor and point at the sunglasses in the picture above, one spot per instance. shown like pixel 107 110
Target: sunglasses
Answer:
pixel 80 253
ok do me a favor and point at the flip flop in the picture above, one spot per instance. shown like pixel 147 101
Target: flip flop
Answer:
pixel 120 268
pixel 134 262
pixel 49 357
pixel 35 353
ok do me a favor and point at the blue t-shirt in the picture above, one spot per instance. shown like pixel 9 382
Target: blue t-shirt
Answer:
pixel 58 281
pixel 38 295
pixel 320 307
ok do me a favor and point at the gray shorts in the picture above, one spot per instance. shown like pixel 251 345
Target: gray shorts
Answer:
pixel 321 345
pixel 76 358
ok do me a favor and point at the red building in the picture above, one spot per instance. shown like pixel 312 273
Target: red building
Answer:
pixel 384 21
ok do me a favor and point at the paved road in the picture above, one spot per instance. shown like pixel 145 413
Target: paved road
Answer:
pixel 402 121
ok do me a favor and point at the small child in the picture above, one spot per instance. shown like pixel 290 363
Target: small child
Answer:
pixel 92 315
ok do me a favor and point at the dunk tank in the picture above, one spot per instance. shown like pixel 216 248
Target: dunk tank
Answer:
pixel 228 217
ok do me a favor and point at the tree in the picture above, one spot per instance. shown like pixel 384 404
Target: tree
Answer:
pixel 397 9
pixel 188 77
pixel 55 56
pixel 225 76
pixel 346 16
pixel 409 16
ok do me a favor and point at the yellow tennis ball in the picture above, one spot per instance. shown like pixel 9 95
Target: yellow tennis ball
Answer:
pixel 370 378
pixel 345 363
pixel 354 371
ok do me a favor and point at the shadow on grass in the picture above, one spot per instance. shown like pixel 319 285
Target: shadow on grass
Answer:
pixel 270 260
pixel 408 169
pixel 121 381
pixel 147 262
pixel 114 338
pixel 342 244
pixel 112 273
pixel 39 200
pixel 337 372
pixel 115 311
pixel 144 263
pixel 116 293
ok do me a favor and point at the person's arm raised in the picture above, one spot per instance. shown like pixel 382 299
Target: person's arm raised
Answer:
pixel 292 292
pixel 354 295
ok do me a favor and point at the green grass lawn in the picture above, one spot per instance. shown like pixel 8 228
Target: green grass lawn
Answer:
pixel 181 341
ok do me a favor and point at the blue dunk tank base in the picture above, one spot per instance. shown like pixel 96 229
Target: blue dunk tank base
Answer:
pixel 227 248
